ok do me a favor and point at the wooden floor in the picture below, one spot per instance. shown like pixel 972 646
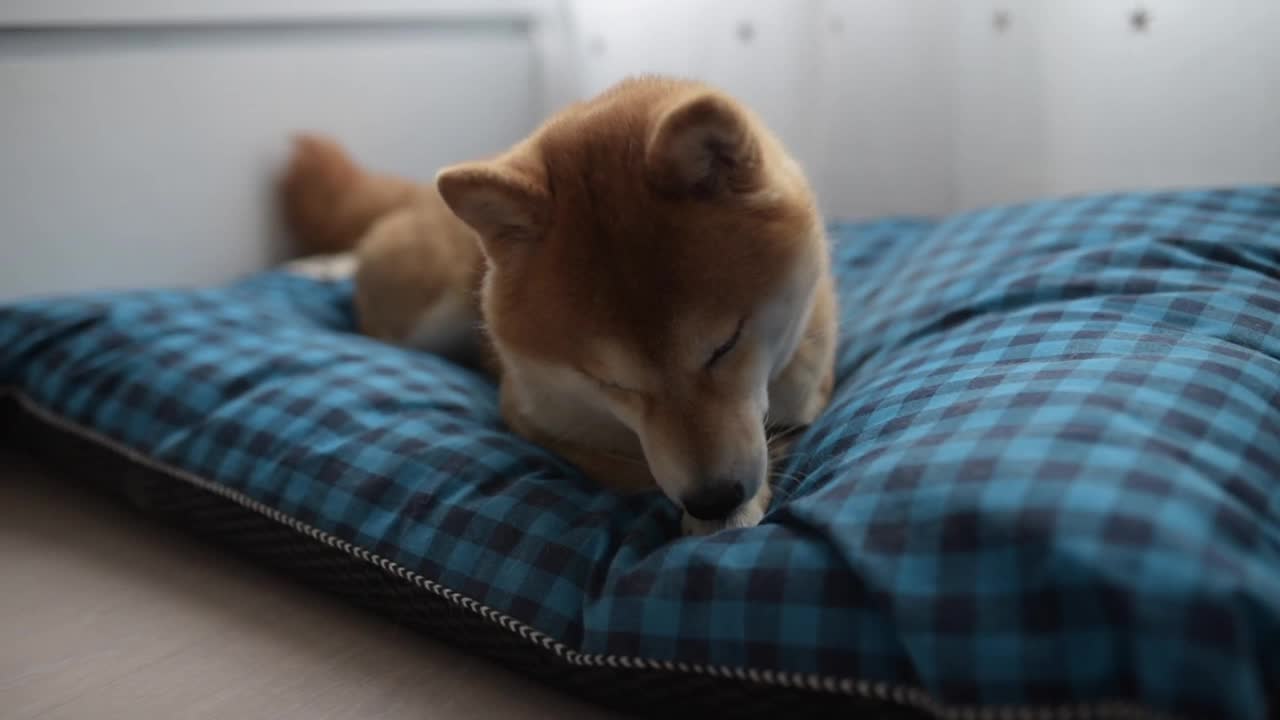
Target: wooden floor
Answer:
pixel 103 616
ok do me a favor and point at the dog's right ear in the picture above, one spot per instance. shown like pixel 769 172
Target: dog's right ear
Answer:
pixel 704 147
pixel 499 201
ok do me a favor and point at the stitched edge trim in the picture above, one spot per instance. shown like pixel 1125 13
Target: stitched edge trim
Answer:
pixel 874 690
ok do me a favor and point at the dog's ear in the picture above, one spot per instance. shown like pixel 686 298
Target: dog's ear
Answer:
pixel 499 201
pixel 704 146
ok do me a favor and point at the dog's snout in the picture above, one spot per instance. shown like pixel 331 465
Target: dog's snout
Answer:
pixel 715 501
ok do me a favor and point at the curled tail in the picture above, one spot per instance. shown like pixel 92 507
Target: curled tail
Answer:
pixel 329 202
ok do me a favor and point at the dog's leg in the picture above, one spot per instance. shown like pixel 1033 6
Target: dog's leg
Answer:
pixel 338 266
pixel 611 470
pixel 416 285
pixel 617 473
pixel 802 390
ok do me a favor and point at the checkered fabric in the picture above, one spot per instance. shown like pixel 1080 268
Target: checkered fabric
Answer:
pixel 1050 473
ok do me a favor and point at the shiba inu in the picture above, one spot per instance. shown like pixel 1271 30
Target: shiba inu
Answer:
pixel 647 276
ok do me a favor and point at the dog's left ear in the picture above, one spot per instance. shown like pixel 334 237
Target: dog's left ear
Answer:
pixel 704 146
pixel 499 201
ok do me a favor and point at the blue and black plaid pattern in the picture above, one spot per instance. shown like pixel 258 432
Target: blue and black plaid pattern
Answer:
pixel 1050 471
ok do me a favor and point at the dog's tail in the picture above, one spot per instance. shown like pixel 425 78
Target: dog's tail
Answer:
pixel 329 201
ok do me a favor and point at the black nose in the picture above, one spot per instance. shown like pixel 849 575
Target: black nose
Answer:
pixel 715 501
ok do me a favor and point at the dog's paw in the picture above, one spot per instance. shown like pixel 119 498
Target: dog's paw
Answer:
pixel 324 267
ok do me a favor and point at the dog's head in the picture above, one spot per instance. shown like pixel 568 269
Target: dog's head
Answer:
pixel 657 251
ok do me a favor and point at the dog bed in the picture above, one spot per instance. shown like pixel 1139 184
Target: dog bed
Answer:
pixel 1048 484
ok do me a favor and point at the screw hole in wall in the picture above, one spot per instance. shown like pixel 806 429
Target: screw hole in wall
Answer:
pixel 1140 19
pixel 1001 20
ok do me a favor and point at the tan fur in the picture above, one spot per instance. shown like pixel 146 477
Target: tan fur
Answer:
pixel 329 203
pixel 623 243
pixel 413 261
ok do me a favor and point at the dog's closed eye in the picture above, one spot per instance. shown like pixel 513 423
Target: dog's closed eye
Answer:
pixel 727 346
pixel 611 385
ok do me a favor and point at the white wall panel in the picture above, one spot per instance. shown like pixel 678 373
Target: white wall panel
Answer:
pixel 45 13
pixel 847 85
pixel 1194 99
pixel 1072 97
pixel 138 157
pixel 884 102
pixel 997 130
pixel 138 138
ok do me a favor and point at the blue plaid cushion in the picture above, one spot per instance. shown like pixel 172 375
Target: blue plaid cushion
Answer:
pixel 1050 473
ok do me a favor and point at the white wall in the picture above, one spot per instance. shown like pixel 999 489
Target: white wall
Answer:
pixel 759 50
pixel 996 122
pixel 145 154
pixel 846 85
pixel 80 13
pixel 1072 98
pixel 886 142
pixel 138 138
pixel 1194 100
pixel 924 106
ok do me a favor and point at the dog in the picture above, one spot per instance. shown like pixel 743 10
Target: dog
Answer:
pixel 647 276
